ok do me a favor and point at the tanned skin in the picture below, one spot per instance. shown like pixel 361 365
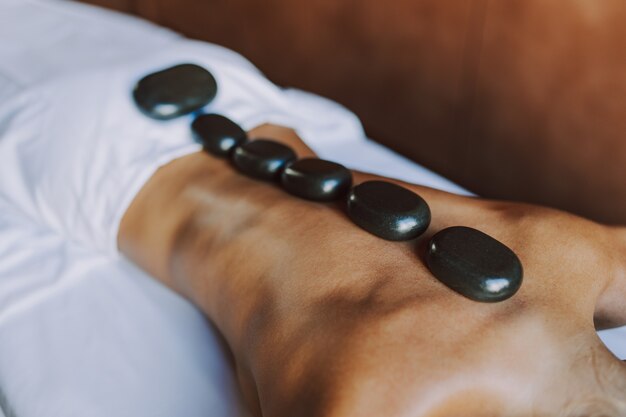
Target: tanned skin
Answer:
pixel 324 319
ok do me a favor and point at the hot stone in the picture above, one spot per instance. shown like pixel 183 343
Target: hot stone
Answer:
pixel 175 91
pixel 262 159
pixel 316 179
pixel 388 210
pixel 474 264
pixel 218 134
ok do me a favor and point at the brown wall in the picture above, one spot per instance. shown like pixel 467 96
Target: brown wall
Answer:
pixel 519 99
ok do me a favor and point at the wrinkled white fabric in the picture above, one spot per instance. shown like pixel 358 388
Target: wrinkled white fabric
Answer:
pixel 83 332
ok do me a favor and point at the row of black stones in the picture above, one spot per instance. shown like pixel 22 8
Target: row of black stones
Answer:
pixel 466 260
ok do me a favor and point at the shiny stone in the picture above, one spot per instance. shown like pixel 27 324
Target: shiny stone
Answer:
pixel 218 134
pixel 474 264
pixel 175 91
pixel 388 210
pixel 316 179
pixel 262 159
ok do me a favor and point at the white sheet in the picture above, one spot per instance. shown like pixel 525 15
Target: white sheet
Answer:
pixel 82 332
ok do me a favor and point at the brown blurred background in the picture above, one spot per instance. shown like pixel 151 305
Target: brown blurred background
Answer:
pixel 513 99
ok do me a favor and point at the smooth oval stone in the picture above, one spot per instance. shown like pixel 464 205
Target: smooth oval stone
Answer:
pixel 262 158
pixel 474 264
pixel 316 179
pixel 175 91
pixel 388 210
pixel 218 134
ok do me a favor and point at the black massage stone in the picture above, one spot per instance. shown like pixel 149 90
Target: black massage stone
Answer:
pixel 262 159
pixel 175 91
pixel 388 210
pixel 316 179
pixel 474 264
pixel 218 134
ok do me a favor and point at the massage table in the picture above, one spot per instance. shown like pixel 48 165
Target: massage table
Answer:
pixel 82 331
